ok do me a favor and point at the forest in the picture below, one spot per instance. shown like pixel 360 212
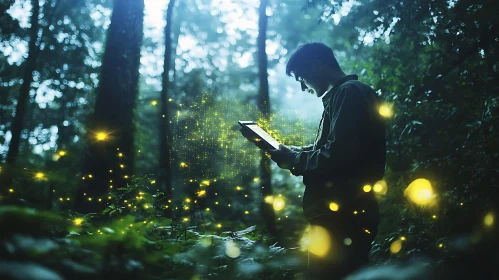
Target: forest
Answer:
pixel 121 155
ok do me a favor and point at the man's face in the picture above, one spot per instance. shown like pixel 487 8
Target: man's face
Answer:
pixel 313 85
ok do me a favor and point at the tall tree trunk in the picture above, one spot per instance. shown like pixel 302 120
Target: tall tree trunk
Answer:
pixel 165 156
pixel 110 155
pixel 7 176
pixel 264 107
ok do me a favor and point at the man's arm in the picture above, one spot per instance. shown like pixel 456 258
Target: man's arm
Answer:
pixel 343 140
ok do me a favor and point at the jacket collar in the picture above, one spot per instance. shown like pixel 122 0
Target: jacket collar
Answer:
pixel 330 93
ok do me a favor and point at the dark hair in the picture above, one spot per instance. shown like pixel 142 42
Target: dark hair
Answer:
pixel 306 55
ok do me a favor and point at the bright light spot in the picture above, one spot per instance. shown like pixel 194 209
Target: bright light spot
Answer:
pixel 219 225
pixel 380 188
pixel 62 153
pixel 201 193
pixel 440 245
pixel 187 200
pixel 205 182
pixel 186 219
pixel 396 246
pixel 488 220
pixel 232 250
pixel 256 179
pixel 238 188
pixel 101 136
pixel 402 238
pixel 420 192
pixel 434 216
pixel 40 176
pixel 367 188
pixel 154 103
pixel 385 110
pixel 347 241
pixel 334 206
pixel 316 240
pixel 278 203
pixel 269 199
pixel 120 154
pixel 78 221
pixel 11 190
pixel 246 212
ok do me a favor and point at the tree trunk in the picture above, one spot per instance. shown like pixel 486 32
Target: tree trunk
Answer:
pixel 110 154
pixel 7 176
pixel 165 158
pixel 264 107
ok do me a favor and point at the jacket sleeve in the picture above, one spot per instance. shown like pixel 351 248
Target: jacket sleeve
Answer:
pixel 346 113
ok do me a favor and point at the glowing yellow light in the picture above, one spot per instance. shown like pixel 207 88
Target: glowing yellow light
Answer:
pixel 316 240
pixel 61 199
pixel 110 171
pixel 62 153
pixel 68 199
pixel 122 166
pixel 420 192
pixel 461 204
pixel 219 225
pixel 187 200
pixel 385 110
pixel 101 136
pixel 434 216
pixel 201 193
pixel 402 238
pixel 131 225
pixel 186 219
pixel 183 164
pixel 11 190
pixel 396 246
pixel 380 188
pixel 269 199
pixel 367 231
pixel 169 99
pixel 154 103
pixel 205 182
pixel 334 206
pixel 440 245
pixel 78 221
pixel 40 176
pixel 246 212
pixel 110 186
pixel 238 188
pixel 153 182
pixel 232 250
pixel 100 199
pixel 488 220
pixel 256 179
pixel 89 199
pixel 367 188
pixel 120 154
pixel 216 202
pixel 278 203
pixel 186 208
pixel 90 176
pixel 146 206
pixel 228 205
pixel 207 209
pixel 126 176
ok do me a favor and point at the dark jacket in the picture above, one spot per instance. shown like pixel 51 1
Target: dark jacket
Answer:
pixel 349 152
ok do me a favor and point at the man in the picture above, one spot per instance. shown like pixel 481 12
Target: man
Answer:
pixel 348 154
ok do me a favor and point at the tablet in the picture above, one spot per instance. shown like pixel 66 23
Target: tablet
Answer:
pixel 260 134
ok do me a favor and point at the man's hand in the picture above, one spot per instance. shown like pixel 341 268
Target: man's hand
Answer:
pixel 284 157
pixel 248 135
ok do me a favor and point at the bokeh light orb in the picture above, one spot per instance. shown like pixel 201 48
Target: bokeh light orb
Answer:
pixel 232 250
pixel 316 240
pixel 278 203
pixel 396 246
pixel 420 192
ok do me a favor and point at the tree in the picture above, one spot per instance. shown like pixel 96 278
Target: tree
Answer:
pixel 109 159
pixel 7 176
pixel 264 106
pixel 165 171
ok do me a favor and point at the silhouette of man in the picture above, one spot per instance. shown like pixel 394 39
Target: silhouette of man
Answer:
pixel 349 153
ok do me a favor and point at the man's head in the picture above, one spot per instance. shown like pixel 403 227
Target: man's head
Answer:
pixel 315 67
